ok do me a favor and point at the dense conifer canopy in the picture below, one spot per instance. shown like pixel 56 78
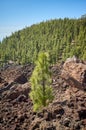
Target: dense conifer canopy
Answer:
pixel 61 38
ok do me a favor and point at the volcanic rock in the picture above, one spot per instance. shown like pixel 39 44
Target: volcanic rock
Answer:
pixel 17 73
pixel 74 72
pixel 66 112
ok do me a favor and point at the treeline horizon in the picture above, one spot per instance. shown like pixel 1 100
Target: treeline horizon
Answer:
pixel 61 38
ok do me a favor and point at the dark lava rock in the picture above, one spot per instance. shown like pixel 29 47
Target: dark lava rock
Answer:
pixel 66 122
pixel 59 110
pixel 66 112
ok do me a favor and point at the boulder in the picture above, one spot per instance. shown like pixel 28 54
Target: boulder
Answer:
pixel 16 91
pixel 74 72
pixel 17 73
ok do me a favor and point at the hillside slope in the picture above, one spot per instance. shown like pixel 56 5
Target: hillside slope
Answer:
pixel 62 38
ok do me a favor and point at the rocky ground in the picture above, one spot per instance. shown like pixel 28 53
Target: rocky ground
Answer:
pixel 66 112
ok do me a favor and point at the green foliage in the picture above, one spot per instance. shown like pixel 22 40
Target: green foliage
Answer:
pixel 41 90
pixel 61 38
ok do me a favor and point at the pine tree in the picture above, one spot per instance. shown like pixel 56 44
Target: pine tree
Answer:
pixel 41 90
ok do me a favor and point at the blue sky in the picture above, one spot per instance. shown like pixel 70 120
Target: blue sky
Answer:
pixel 17 14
